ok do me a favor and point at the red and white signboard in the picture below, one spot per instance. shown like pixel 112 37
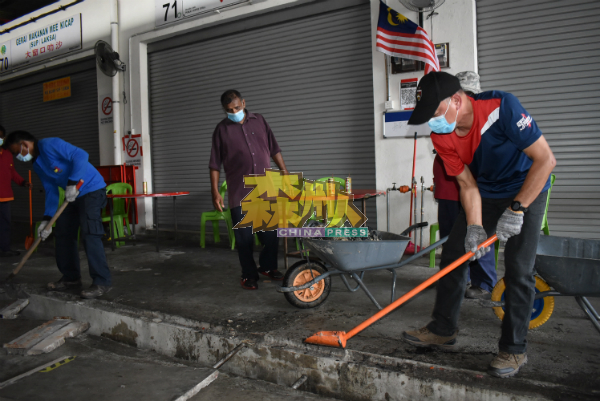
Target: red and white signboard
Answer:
pixel 106 106
pixel 132 146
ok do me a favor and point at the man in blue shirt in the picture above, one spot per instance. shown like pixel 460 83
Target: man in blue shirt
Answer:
pixel 60 164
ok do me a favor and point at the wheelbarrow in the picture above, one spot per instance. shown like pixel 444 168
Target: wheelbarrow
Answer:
pixel 307 283
pixel 565 267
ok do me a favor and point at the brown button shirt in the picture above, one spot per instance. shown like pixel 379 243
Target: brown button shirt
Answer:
pixel 243 149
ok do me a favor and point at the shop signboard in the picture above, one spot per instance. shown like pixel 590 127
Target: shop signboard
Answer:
pixel 5 57
pixel 45 42
pixel 167 11
pixel 57 89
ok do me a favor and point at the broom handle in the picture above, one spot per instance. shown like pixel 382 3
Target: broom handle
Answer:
pixel 39 239
pixel 416 290
pixel 30 208
pixel 412 186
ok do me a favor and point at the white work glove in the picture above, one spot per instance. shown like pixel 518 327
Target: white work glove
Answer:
pixel 475 236
pixel 509 224
pixel 44 233
pixel 71 193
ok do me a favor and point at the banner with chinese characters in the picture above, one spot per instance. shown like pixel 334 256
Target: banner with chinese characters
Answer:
pixel 280 200
pixel 47 41
pixel 57 89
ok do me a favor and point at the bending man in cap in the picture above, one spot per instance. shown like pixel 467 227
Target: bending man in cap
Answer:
pixel 493 138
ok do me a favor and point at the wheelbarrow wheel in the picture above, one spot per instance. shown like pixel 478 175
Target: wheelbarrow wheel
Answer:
pixel 542 308
pixel 301 273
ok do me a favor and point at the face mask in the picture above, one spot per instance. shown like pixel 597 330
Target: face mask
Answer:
pixel 440 125
pixel 1 141
pixel 25 158
pixel 236 117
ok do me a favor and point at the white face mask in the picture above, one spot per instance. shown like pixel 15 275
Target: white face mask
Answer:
pixel 25 158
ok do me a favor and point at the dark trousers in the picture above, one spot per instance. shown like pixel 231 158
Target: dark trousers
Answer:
pixel 519 258
pixel 4 226
pixel 482 272
pixel 244 240
pixel 84 213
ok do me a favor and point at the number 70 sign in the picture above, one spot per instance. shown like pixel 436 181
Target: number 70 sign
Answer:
pixel 167 11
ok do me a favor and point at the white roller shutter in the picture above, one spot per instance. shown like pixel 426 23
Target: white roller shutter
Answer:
pixel 74 119
pixel 547 54
pixel 310 77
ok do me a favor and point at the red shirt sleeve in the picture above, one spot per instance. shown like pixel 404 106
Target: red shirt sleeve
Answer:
pixel 15 176
pixel 445 148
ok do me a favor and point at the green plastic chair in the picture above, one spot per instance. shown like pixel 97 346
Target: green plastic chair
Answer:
pixel 120 210
pixel 215 216
pixel 61 199
pixel 340 181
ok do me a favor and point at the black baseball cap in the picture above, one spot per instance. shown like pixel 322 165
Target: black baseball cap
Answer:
pixel 432 89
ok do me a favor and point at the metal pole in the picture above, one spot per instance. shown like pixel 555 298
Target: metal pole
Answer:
pixel 422 211
pixel 387 194
pixel 414 196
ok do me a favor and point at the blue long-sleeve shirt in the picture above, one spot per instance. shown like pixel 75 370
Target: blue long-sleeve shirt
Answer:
pixel 58 163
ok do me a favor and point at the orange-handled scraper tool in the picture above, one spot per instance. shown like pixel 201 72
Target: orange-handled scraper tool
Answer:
pixel 339 338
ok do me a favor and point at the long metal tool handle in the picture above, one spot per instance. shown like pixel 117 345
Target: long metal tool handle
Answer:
pixel 30 208
pixel 417 289
pixel 39 239
pixel 412 184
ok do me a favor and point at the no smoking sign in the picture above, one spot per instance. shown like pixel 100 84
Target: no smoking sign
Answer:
pixel 133 149
pixel 107 106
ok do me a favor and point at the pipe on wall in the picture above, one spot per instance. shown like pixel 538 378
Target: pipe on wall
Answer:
pixel 116 83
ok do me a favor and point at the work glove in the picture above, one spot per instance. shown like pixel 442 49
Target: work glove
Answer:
pixel 475 236
pixel 509 224
pixel 71 193
pixel 44 233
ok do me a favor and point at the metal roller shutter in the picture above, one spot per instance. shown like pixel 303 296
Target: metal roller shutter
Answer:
pixel 547 54
pixel 312 80
pixel 74 119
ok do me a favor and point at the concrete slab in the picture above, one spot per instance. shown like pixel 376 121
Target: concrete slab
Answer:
pixel 101 370
pixel 202 286
pixel 105 370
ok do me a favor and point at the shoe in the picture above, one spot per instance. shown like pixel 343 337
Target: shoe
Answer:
pixel 95 291
pixel 425 338
pixel 476 292
pixel 273 274
pixel 506 365
pixel 63 285
pixel 9 254
pixel 249 284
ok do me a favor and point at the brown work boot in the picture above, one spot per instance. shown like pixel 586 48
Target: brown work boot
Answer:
pixel 63 285
pixel 506 365
pixel 425 338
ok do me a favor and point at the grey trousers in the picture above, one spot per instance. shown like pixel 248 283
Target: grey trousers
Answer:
pixel 519 258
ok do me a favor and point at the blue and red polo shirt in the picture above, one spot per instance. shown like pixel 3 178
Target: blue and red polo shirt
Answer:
pixel 493 148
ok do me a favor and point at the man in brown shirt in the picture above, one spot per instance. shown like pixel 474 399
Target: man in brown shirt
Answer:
pixel 244 144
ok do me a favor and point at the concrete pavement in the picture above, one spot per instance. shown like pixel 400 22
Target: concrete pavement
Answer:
pixel 202 286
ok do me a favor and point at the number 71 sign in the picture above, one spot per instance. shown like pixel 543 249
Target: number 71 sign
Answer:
pixel 167 11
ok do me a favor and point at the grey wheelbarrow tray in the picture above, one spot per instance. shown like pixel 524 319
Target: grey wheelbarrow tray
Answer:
pixel 354 258
pixel 571 266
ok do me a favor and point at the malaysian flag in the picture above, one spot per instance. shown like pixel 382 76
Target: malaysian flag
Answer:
pixel 398 36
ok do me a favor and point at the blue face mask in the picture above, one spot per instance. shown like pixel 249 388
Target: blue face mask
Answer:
pixel 25 158
pixel 1 141
pixel 440 125
pixel 236 117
